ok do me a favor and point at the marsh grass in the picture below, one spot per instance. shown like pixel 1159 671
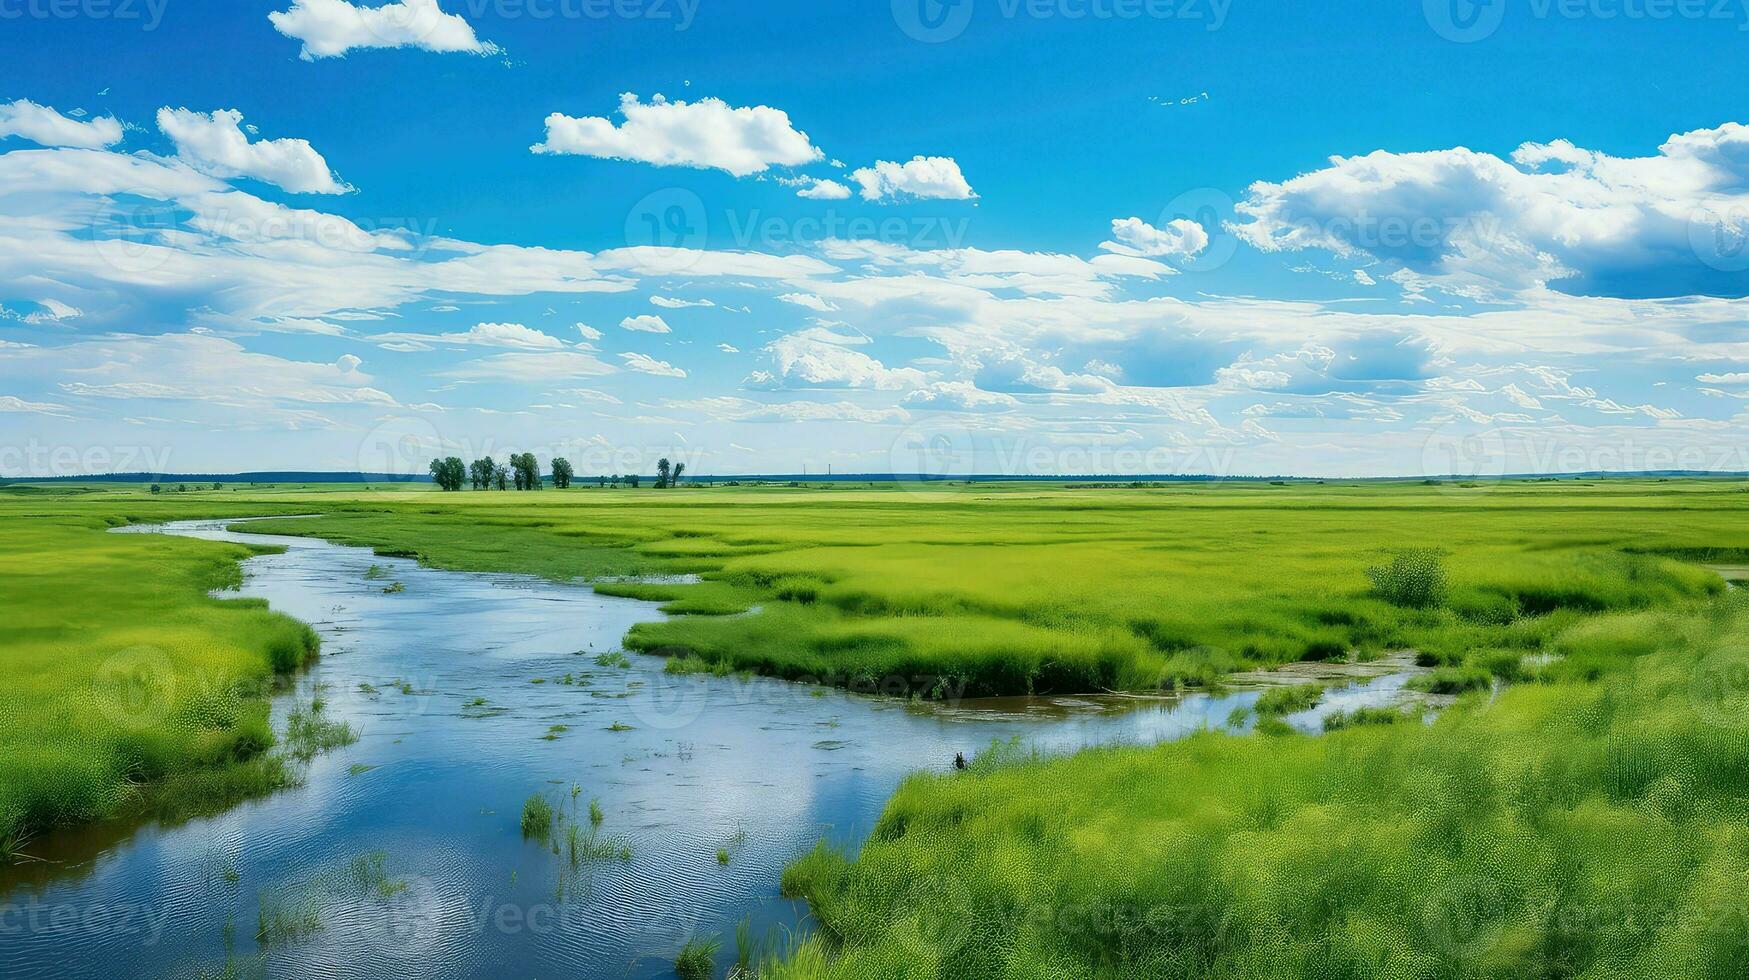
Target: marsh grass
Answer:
pixel 537 818
pixel 697 958
pixel 309 734
pixel 128 687
pixel 1278 701
pixel 1562 829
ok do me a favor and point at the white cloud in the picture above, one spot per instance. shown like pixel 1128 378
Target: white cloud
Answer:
pixel 674 303
pixel 1738 378
pixel 729 348
pixel 216 378
pixel 12 403
pixel 649 365
pixel 1580 221
pixel 512 335
pixel 809 301
pixel 41 124
pixel 1181 236
pixel 708 133
pixel 958 396
pixel 588 332
pixel 215 144
pixel 645 323
pixel 816 358
pixel 924 178
pixel 817 189
pixel 331 28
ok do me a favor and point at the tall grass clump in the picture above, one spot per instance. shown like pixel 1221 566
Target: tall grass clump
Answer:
pixel 1415 579
pixel 697 959
pixel 537 817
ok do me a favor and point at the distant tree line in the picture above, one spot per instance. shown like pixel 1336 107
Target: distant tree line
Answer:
pixel 523 472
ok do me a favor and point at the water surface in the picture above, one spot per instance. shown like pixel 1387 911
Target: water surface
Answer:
pixel 457 683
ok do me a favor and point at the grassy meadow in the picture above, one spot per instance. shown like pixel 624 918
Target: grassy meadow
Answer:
pixel 126 686
pixel 1582 810
pixel 1014 588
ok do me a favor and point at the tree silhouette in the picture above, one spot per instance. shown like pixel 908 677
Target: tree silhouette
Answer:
pixel 561 473
pixel 663 467
pixel 679 469
pixel 449 474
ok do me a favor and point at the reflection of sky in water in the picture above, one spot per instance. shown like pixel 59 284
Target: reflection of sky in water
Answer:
pixel 761 767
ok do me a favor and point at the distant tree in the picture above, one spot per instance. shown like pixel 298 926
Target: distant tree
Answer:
pixel 182 488
pixel 679 470
pixel 500 476
pixel 663 468
pixel 157 489
pixel 632 481
pixel 218 486
pixel 526 469
pixel 562 473
pixel 449 474
pixel 481 471
pixel 604 482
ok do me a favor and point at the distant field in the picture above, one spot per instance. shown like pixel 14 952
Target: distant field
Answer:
pixel 995 588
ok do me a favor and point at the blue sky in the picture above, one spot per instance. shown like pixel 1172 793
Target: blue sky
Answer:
pixel 1050 237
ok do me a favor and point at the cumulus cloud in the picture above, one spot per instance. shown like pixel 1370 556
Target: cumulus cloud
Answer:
pixel 331 28
pixel 645 323
pixel 215 144
pixel 920 178
pixel 1580 221
pixel 588 332
pixel 1133 236
pixel 818 189
pixel 708 134
pixel 648 365
pixel 819 358
pixel 675 303
pixel 45 126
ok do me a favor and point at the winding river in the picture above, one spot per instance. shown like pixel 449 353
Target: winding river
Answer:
pixel 402 854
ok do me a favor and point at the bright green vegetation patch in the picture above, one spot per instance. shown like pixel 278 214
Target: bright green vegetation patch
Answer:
pixel 697 959
pixel 1000 589
pixel 1278 701
pixel 127 688
pixel 1591 823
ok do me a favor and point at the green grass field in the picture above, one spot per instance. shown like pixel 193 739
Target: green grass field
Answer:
pixel 1582 810
pixel 1000 589
pixel 126 686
